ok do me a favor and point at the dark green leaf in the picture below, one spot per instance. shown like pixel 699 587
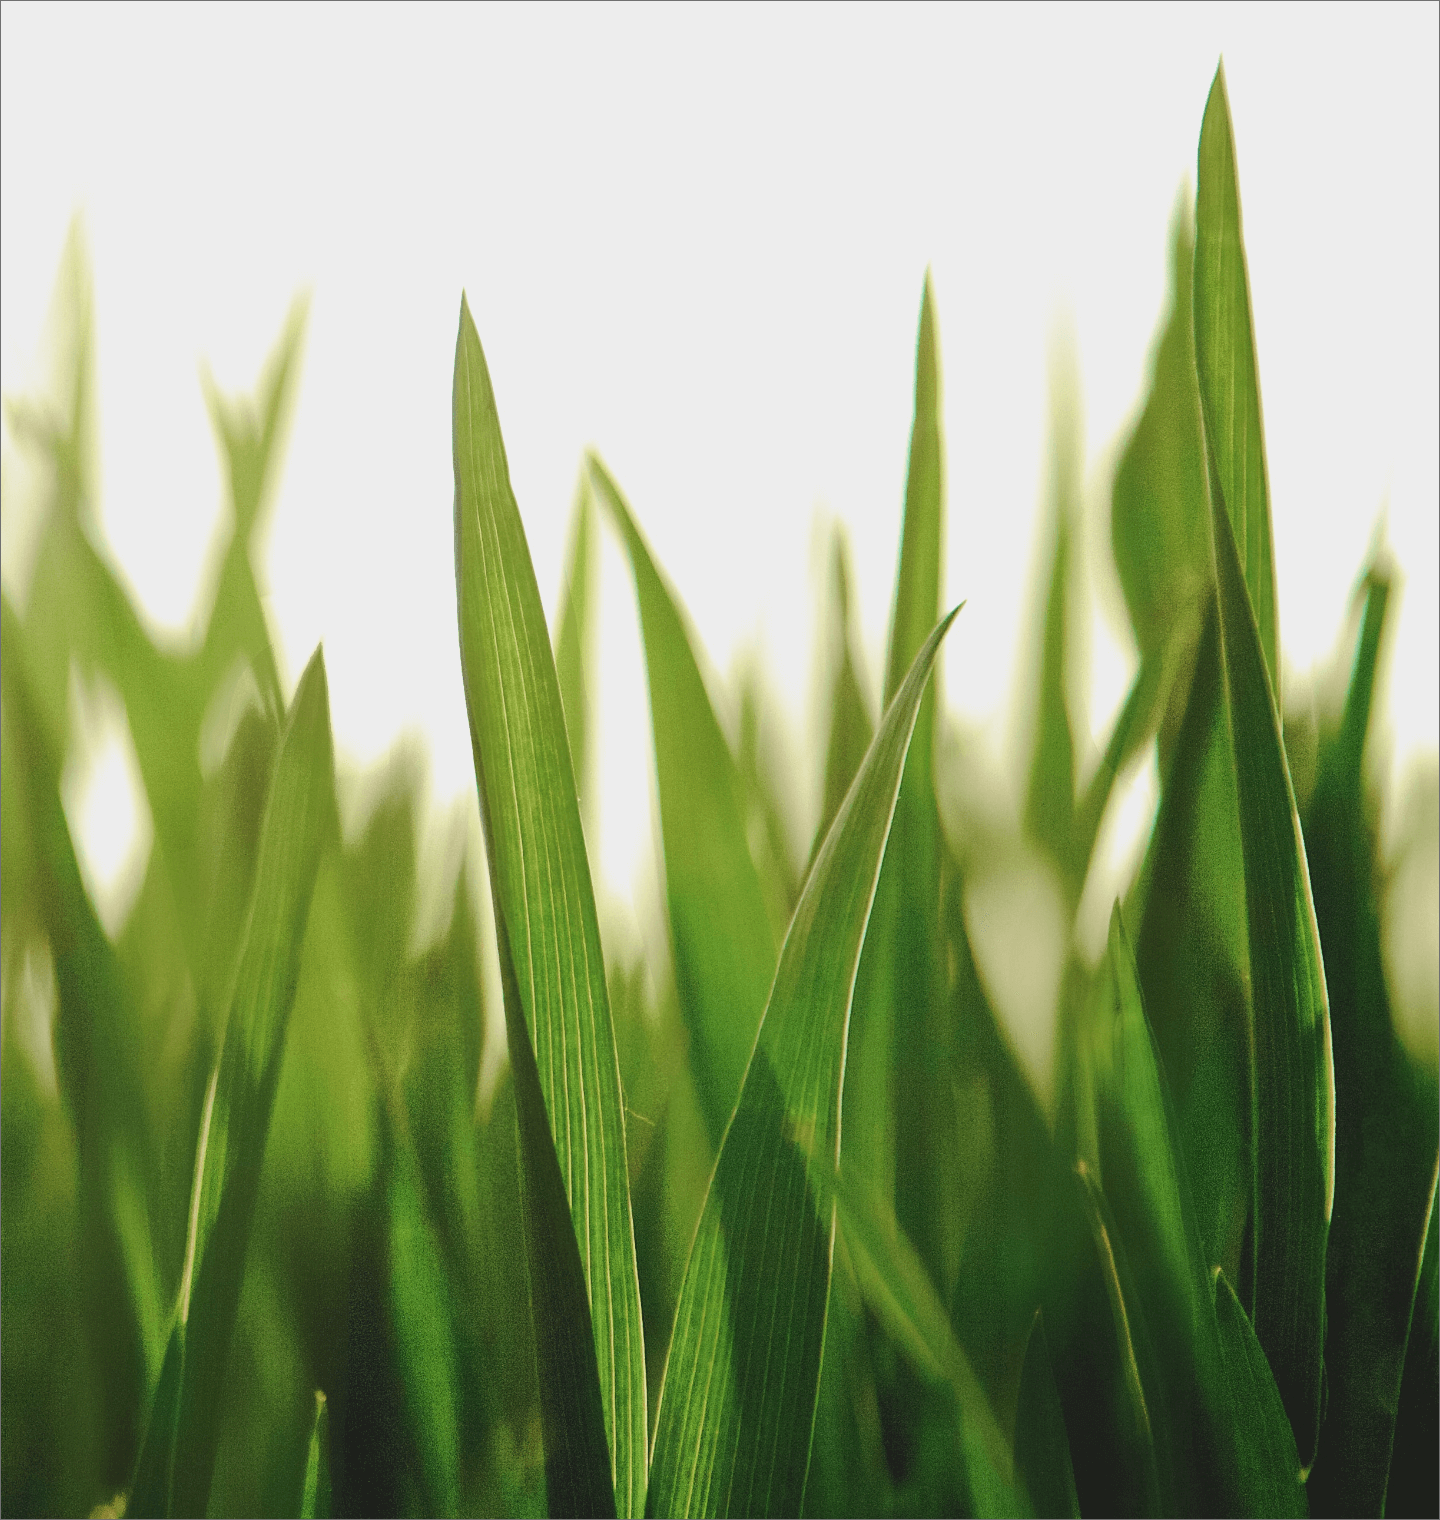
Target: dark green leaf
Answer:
pixel 557 1009
pixel 724 951
pixel 1413 1470
pixel 1294 1094
pixel 737 1407
pixel 1268 1476
pixel 1042 1449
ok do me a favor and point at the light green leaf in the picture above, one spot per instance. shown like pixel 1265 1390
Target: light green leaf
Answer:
pixel 724 950
pixel 235 1121
pixel 851 726
pixel 1268 1475
pixel 1042 1449
pixel 1294 1090
pixel 315 1496
pixel 1226 363
pixel 557 1008
pixel 737 1407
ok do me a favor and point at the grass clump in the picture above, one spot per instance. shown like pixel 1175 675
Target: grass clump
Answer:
pixel 780 1223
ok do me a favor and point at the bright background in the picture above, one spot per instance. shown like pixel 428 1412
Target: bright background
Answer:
pixel 695 239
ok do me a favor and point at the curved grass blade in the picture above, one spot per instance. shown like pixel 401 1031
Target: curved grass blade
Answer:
pixel 557 1008
pixel 299 813
pixel 1413 1475
pixel 1226 364
pixel 1269 1480
pixel 315 1495
pixel 1042 1449
pixel 1294 1102
pixel 737 1406
pixel 1385 1117
pixel 724 948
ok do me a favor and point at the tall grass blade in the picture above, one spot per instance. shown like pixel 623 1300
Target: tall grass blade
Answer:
pixel 575 636
pixel 557 1008
pixel 1413 1475
pixel 1294 1091
pixel 1385 1115
pixel 851 726
pixel 737 1407
pixel 724 948
pixel 1226 363
pixel 299 814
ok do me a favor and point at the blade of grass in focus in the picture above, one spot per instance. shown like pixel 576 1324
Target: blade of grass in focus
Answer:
pixel 177 1461
pixel 1229 373
pixel 557 1010
pixel 724 951
pixel 731 1436
pixel 574 637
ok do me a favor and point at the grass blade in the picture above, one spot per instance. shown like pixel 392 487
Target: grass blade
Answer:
pixel 315 1495
pixel 1294 1091
pixel 737 1406
pixel 557 1009
pixel 299 813
pixel 1385 1117
pixel 1042 1449
pixel 1226 363
pixel 1268 1476
pixel 1413 1478
pixel 851 726
pixel 724 948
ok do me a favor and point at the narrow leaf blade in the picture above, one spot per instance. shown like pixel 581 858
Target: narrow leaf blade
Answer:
pixel 737 1407
pixel 557 1003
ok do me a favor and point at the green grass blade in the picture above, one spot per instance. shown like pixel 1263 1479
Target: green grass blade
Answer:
pixel 737 1406
pixel 575 636
pixel 1268 1480
pixel 1050 795
pixel 851 726
pixel 299 813
pixel 1042 1449
pixel 1294 1104
pixel 315 1495
pixel 1158 529
pixel 1385 1116
pixel 1226 363
pixel 724 949
pixel 1413 1476
pixel 557 1006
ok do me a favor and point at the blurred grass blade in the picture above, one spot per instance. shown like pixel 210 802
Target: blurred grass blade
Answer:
pixel 1385 1114
pixel 1294 1094
pixel 575 636
pixel 1226 363
pixel 900 1292
pixel 724 949
pixel 1268 1476
pixel 299 813
pixel 1050 797
pixel 425 1343
pixel 1159 532
pixel 557 1008
pixel 315 1496
pixel 737 1407
pixel 851 726
pixel 1042 1449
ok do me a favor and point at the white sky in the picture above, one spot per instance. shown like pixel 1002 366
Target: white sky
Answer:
pixel 695 239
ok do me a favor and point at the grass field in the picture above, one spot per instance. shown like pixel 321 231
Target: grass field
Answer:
pixel 779 1219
